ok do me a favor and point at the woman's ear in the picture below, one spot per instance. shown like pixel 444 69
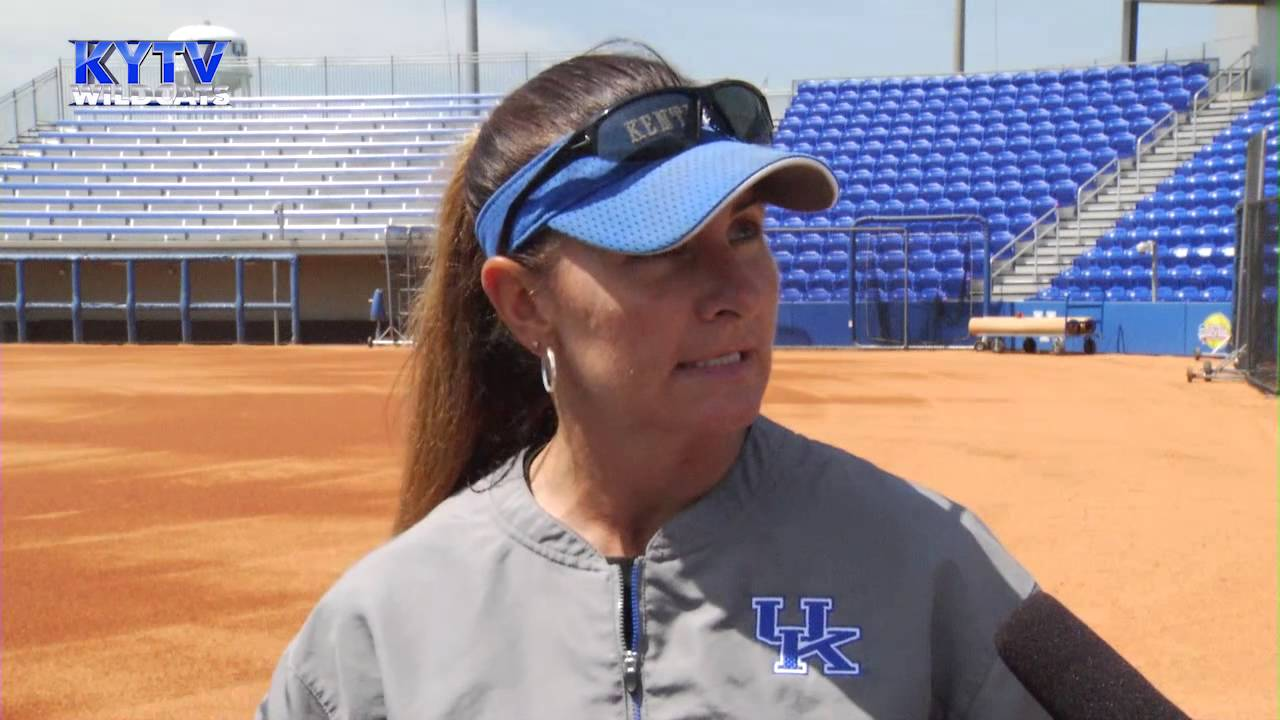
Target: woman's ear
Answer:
pixel 514 291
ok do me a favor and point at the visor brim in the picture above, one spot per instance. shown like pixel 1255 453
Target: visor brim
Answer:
pixel 657 208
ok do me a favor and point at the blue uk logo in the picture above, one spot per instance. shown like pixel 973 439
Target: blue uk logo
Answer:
pixel 814 641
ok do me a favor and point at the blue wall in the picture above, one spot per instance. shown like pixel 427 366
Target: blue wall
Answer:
pixel 1164 328
pixel 828 323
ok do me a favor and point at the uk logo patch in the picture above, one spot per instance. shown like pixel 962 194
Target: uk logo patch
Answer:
pixel 816 641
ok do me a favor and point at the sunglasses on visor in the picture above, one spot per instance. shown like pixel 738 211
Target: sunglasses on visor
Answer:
pixel 654 126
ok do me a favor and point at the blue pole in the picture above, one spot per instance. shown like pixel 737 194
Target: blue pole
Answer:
pixel 294 301
pixel 130 301
pixel 20 300
pixel 184 299
pixel 77 321
pixel 239 263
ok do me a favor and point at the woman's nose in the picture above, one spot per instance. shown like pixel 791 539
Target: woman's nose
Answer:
pixel 736 281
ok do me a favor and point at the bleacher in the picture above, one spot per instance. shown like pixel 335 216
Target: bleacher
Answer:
pixel 336 171
pixel 1010 147
pixel 1189 222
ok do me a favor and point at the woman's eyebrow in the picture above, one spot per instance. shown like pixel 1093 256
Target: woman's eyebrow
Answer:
pixel 743 203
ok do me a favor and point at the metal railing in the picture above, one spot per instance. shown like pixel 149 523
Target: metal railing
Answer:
pixel 44 98
pixel 1033 247
pixel 1094 186
pixel 1230 75
pixel 1170 122
pixel 1237 73
pixel 30 104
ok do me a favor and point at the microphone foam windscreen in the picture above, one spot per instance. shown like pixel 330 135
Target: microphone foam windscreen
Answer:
pixel 1071 671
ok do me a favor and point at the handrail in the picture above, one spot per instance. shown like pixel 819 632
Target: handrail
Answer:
pixel 1035 227
pixel 1013 243
pixel 46 75
pixel 30 89
pixel 1192 110
pixel 1096 188
pixel 1234 73
pixel 1240 74
pixel 1033 247
pixel 1139 143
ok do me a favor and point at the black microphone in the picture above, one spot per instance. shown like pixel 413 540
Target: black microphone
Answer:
pixel 1073 673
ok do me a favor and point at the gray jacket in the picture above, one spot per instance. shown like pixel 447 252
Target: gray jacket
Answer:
pixel 807 584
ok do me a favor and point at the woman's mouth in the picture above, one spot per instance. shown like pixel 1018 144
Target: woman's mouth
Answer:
pixel 728 360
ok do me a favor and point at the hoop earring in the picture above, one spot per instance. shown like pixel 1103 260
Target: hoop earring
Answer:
pixel 549 371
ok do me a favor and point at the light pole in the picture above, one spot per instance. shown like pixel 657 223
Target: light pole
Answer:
pixel 473 44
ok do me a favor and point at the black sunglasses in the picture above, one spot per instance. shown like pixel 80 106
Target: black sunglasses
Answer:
pixel 654 126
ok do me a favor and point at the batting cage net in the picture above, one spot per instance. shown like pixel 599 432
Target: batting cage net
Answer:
pixel 1256 314
pixel 908 280
pixel 918 280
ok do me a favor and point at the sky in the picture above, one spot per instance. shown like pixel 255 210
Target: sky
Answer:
pixel 770 44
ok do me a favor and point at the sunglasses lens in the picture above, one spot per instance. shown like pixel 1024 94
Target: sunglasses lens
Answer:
pixel 746 112
pixel 647 128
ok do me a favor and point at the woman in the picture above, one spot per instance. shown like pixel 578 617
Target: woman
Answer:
pixel 594 518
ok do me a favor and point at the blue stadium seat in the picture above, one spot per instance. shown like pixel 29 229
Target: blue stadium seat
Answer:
pixel 838 240
pixel 786 242
pixel 836 261
pixel 796 279
pixel 808 261
pixel 810 243
pixel 1064 191
pixel 921 260
pixel 820 280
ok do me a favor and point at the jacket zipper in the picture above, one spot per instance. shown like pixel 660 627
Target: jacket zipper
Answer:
pixel 630 652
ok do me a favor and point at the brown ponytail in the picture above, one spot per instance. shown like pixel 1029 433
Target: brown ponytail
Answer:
pixel 476 398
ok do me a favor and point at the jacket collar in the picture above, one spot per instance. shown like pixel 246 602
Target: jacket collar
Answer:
pixel 697 526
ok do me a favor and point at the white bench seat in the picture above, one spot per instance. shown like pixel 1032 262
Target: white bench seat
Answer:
pixel 180 175
pixel 231 136
pixel 214 202
pixel 432 159
pixel 138 189
pixel 213 149
pixel 327 124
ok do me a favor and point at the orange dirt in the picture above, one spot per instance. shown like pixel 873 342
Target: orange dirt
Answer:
pixel 170 514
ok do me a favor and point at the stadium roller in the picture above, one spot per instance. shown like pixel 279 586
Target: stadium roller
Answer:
pixel 993 332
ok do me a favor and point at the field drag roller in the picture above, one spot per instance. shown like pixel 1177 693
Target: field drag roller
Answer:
pixel 999 333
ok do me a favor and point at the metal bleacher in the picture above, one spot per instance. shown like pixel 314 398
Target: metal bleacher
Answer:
pixel 306 174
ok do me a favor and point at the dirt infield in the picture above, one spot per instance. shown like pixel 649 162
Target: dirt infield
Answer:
pixel 170 514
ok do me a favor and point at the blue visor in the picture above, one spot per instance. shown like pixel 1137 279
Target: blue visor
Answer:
pixel 642 208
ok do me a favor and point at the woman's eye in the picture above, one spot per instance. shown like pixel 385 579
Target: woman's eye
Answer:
pixel 743 230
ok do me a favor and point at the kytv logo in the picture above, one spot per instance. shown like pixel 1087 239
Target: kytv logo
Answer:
pixel 91 69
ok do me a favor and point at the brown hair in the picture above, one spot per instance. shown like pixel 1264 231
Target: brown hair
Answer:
pixel 476 397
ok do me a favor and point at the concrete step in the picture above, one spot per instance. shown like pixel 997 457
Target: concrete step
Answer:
pixel 1128 198
pixel 1143 186
pixel 1218 114
pixel 1084 224
pixel 1048 254
pixel 1108 212
pixel 1029 265
pixel 1047 272
pixel 1030 286
pixel 1157 163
